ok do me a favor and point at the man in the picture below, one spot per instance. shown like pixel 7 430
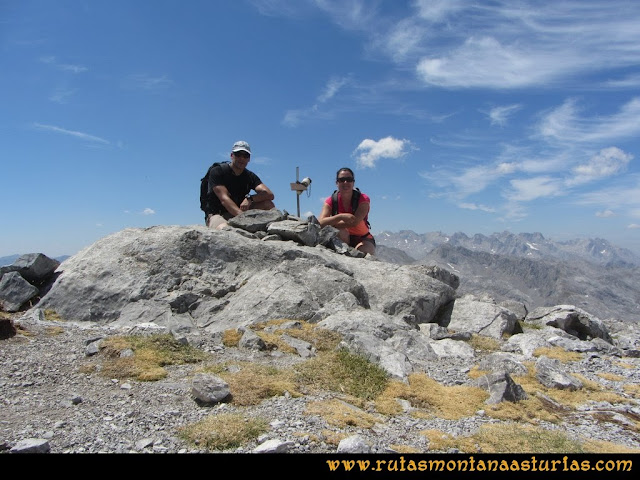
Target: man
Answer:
pixel 230 185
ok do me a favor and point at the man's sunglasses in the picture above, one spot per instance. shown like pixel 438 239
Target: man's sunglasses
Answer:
pixel 345 179
pixel 242 154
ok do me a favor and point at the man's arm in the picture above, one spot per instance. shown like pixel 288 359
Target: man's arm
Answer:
pixel 262 193
pixel 225 199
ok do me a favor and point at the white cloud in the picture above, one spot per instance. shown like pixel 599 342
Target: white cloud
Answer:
pixel 524 190
pixel 608 162
pixel 370 151
pixel 629 81
pixel 81 135
pixel 505 168
pixel 633 225
pixel 563 124
pixel 623 197
pixel 148 211
pixel 51 60
pixel 506 45
pixel 403 40
pixel 473 206
pixel 349 14
pixel 333 86
pixel 294 117
pixel 500 115
pixel 605 214
pixel 483 62
pixel 468 181
pixel 438 10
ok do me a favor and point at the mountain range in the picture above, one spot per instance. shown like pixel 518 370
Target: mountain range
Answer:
pixel 591 274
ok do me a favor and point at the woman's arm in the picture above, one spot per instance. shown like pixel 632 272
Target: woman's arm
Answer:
pixel 341 220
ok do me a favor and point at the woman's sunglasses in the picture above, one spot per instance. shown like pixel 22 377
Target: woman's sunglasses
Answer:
pixel 345 179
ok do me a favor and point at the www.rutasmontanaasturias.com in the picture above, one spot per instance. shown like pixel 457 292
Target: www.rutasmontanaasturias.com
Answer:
pixel 532 464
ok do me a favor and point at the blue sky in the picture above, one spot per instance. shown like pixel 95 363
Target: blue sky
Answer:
pixel 456 116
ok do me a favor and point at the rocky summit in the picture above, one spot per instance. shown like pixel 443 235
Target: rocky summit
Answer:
pixel 271 275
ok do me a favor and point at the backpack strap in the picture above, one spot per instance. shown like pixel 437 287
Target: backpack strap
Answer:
pixel 355 199
pixel 334 202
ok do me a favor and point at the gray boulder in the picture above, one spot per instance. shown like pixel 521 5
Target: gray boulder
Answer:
pixel 31 445
pixel 35 267
pixel 572 320
pixel 181 278
pixel 551 373
pixel 353 444
pixel 209 389
pixel 15 291
pixel 256 220
pixel 501 388
pixel 482 316
pixel 304 233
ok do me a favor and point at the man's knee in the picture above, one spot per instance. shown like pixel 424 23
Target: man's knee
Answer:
pixel 216 221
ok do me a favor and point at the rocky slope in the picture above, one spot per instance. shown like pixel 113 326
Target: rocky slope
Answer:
pixel 197 284
pixel 46 397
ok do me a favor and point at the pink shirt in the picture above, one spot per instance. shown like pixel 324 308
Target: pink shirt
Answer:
pixel 361 228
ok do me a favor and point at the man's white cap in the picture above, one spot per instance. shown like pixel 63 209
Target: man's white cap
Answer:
pixel 241 145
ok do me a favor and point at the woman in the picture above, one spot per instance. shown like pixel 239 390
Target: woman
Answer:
pixel 352 225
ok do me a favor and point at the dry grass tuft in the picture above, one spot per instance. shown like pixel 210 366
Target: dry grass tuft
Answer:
pixel 440 441
pixel 53 331
pixel 322 339
pixel 610 376
pixel 250 383
pixel 342 414
pixel 434 399
pixel 484 343
pixel 632 389
pixel 516 438
pixel 150 355
pixel 404 449
pixel 223 432
pixel 332 437
pixel 531 410
pixel 534 409
pixel 231 338
pixel 52 316
pixel 558 353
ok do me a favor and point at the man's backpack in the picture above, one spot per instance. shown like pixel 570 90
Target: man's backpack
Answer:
pixel 355 198
pixel 204 187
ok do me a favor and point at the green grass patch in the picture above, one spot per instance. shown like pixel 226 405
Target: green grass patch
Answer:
pixel 343 372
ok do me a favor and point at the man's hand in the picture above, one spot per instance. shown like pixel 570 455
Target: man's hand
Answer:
pixel 245 205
